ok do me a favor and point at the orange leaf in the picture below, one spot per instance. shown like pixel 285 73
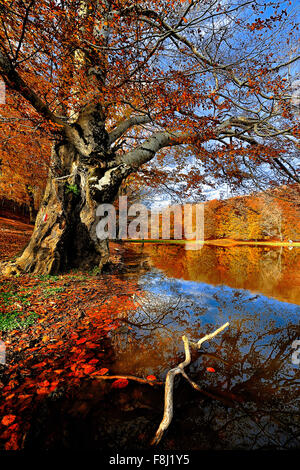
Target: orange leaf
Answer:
pixel 87 369
pixel 102 371
pixel 151 377
pixel 210 369
pixel 12 444
pixel 91 345
pixel 39 365
pixel 80 341
pixel 42 390
pixel 8 419
pixel 120 383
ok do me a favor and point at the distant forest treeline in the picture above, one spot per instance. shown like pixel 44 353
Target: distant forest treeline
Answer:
pixel 273 215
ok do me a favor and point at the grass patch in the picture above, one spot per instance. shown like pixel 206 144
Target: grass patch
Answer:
pixel 47 277
pixel 9 298
pixel 13 308
pixel 95 271
pixel 14 321
pixel 51 291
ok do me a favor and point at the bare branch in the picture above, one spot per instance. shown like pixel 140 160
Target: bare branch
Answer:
pixel 127 124
pixel 147 150
pixel 169 385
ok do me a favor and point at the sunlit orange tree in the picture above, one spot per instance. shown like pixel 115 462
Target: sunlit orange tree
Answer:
pixel 119 87
pixel 24 155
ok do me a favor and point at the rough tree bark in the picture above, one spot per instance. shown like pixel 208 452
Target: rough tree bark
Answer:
pixel 83 174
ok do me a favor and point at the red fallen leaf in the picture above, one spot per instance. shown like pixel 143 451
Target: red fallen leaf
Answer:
pixel 87 369
pixel 9 397
pixel 91 345
pixel 46 383
pixel 151 377
pixel 24 397
pixel 102 371
pixel 78 373
pixel 53 386
pixel 210 369
pixel 14 427
pixel 93 361
pixel 38 366
pixel 12 444
pixel 81 341
pixel 120 383
pixel 8 419
pixel 42 390
pixel 11 384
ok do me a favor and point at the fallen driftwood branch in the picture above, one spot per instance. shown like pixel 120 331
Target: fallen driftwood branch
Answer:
pixel 169 384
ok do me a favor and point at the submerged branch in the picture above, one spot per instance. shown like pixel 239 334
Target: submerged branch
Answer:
pixel 128 377
pixel 169 385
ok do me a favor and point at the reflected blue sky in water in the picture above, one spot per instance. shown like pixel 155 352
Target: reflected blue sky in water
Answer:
pixel 222 303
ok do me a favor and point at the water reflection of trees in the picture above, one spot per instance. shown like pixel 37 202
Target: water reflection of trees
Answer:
pixel 148 337
pixel 261 382
pixel 255 384
pixel 271 271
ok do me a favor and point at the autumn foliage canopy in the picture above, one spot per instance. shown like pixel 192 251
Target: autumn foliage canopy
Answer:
pixel 183 65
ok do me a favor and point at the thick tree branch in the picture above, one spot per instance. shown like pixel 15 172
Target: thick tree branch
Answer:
pixel 147 150
pixel 127 124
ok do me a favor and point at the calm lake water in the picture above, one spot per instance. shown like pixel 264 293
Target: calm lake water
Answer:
pixel 255 383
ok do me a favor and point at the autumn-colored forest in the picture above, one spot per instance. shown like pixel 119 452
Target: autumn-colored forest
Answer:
pixel 265 216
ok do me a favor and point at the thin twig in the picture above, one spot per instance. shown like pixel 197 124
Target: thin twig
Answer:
pixel 128 377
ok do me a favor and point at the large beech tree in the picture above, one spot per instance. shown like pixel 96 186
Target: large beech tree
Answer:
pixel 112 84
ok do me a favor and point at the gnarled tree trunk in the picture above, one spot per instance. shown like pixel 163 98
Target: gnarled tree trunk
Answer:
pixel 81 177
